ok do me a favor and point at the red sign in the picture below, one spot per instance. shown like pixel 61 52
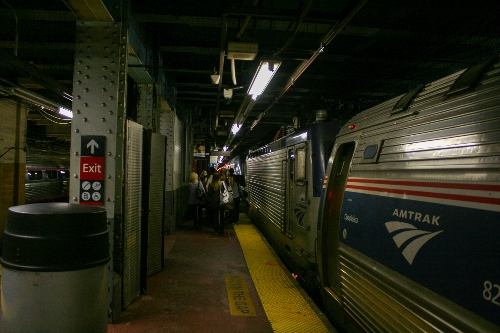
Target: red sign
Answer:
pixel 91 168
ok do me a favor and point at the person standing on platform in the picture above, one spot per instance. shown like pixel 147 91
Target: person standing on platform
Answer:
pixel 204 179
pixel 211 171
pixel 194 210
pixel 234 214
pixel 213 207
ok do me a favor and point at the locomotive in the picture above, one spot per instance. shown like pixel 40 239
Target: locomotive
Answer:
pixel 399 220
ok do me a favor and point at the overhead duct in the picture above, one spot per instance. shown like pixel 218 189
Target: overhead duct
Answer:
pixel 242 50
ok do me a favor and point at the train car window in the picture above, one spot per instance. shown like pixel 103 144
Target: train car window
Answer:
pixel 35 175
pixel 300 172
pixel 51 174
pixel 371 153
pixel 291 156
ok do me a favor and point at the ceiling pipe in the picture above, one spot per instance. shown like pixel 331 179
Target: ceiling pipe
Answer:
pixel 327 38
pixel 296 28
pixel 223 36
pixel 246 21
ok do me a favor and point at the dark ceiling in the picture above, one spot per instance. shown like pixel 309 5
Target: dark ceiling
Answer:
pixel 339 56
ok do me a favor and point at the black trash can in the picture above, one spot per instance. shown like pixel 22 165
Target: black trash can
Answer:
pixel 54 274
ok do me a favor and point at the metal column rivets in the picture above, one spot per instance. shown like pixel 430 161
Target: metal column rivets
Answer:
pixel 104 77
pixel 104 90
pixel 77 111
pixel 78 82
pixel 75 198
pixel 104 68
pixel 109 154
pixel 84 120
pixel 87 67
pixel 86 89
pixel 79 72
pixel 110 131
pixel 103 105
pixel 110 113
pixel 103 120
pixel 75 153
pixel 75 175
pixel 86 104
pixel 77 131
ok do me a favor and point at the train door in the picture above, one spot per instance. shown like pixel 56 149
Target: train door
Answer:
pixel 296 188
pixel 289 191
pixel 331 219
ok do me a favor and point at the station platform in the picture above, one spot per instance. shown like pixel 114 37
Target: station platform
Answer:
pixel 221 283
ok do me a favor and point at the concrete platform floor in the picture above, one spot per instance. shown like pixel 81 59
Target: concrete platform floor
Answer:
pixel 190 295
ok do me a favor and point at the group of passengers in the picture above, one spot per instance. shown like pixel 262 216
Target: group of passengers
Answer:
pixel 216 186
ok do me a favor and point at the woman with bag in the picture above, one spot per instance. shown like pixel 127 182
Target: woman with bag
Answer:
pixel 226 198
pixel 194 210
pixel 213 205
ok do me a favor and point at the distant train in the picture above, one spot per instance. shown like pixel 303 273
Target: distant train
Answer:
pixel 400 220
pixel 47 176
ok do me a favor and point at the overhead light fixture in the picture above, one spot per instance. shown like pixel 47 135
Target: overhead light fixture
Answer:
pixel 263 76
pixel 228 93
pixel 65 112
pixel 235 129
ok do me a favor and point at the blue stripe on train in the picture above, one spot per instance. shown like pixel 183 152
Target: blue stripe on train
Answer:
pixel 453 251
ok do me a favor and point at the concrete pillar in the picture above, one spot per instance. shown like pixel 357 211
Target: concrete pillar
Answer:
pixel 12 157
pixel 99 101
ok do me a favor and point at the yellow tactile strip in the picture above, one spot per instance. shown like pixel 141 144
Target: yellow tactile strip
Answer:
pixel 285 307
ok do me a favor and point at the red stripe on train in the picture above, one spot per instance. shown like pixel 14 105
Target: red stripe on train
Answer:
pixel 476 187
pixel 458 197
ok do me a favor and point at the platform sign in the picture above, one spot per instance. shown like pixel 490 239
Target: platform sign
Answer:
pixel 92 170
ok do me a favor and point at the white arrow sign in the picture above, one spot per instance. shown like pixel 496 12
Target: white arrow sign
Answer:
pixel 92 144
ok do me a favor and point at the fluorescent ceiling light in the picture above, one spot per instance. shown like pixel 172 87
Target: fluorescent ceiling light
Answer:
pixel 65 112
pixel 263 76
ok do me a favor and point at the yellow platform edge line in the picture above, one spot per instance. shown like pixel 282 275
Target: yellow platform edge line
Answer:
pixel 285 307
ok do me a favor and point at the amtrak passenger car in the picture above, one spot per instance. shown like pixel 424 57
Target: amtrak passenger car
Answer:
pixel 47 176
pixel 409 230
pixel 285 180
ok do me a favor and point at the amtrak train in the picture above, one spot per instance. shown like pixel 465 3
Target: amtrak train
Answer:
pixel 396 213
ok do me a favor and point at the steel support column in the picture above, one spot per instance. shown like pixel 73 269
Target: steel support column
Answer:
pixel 99 99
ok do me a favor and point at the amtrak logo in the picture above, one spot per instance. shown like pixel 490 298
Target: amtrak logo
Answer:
pixel 299 214
pixel 405 232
